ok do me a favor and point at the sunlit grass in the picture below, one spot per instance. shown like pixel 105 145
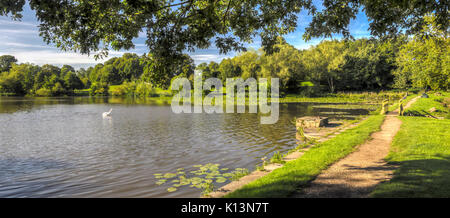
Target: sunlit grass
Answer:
pixel 423 105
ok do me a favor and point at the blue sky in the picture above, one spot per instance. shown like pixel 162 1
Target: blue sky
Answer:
pixel 21 39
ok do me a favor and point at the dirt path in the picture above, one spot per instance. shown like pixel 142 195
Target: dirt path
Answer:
pixel 357 174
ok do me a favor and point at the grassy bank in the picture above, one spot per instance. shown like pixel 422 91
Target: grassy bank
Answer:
pixel 422 150
pixel 284 181
pixel 346 97
pixel 423 105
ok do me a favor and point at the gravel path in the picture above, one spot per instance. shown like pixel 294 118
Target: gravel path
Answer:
pixel 356 175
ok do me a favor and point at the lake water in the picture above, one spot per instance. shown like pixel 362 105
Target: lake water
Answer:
pixel 62 147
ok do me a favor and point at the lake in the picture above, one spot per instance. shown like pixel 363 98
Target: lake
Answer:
pixel 62 147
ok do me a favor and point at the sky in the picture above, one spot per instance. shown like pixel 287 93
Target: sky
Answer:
pixel 21 39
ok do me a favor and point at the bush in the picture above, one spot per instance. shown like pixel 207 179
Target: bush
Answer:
pixel 144 89
pixel 414 90
pixel 126 89
pixel 99 89
pixel 44 92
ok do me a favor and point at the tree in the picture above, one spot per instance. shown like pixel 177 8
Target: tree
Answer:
pixel 228 69
pixel 72 81
pixel 175 26
pixel 204 68
pixel 65 69
pixel 11 82
pixel 110 75
pixel 367 65
pixel 285 64
pixel 322 61
pixel 214 68
pixel 249 62
pixel 6 62
pixel 160 73
pixel 424 60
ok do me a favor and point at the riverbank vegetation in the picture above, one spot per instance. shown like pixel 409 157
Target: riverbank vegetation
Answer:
pixel 435 106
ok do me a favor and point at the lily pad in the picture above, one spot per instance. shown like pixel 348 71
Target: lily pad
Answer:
pixel 169 175
pixel 161 181
pixel 171 189
pixel 221 180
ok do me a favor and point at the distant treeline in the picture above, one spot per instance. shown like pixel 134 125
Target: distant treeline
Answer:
pixel 417 62
pixel 414 62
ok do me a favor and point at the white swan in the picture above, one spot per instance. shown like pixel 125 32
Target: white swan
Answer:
pixel 107 114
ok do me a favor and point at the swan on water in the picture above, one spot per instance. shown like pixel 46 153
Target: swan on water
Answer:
pixel 107 114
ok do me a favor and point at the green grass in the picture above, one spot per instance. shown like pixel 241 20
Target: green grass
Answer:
pixel 423 105
pixel 422 150
pixel 361 97
pixel 294 174
pixel 7 94
pixel 342 97
pixel 112 88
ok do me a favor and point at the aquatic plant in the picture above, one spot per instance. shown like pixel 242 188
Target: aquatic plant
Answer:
pixel 203 178
pixel 277 158
pixel 239 173
pixel 260 167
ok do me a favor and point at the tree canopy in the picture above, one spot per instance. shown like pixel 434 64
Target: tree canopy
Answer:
pixel 175 26
pixel 6 62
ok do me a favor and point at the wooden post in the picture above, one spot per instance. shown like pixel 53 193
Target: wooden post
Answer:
pixel 400 111
pixel 384 107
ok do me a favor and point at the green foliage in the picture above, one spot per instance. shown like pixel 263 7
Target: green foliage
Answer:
pixel 44 92
pixel 48 80
pixel 330 66
pixel 277 158
pixel 6 62
pixel 424 61
pixel 175 26
pixel 99 89
pixel 72 81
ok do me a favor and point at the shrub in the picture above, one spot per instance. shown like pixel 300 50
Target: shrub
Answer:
pixel 99 89
pixel 43 92
pixel 144 89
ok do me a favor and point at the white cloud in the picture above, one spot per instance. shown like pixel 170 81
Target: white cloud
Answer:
pixel 23 45
pixel 16 23
pixel 19 31
pixel 201 58
pixel 52 57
